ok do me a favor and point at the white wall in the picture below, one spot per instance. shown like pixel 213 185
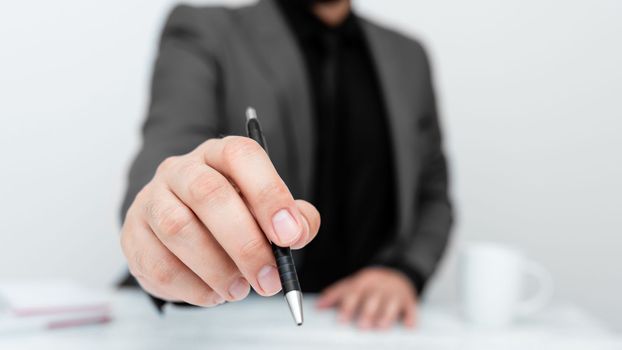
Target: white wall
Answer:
pixel 529 90
pixel 531 98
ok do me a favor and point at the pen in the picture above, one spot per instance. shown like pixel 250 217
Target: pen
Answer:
pixel 282 255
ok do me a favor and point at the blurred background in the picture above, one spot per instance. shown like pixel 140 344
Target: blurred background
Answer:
pixel 529 91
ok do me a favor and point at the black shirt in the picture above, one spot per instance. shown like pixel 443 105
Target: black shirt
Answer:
pixel 354 187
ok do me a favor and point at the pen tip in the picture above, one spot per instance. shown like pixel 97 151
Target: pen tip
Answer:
pixel 294 301
pixel 250 113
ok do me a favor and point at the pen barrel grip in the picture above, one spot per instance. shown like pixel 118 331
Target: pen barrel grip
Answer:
pixel 286 267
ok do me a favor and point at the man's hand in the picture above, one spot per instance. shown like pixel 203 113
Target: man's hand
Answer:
pixel 376 297
pixel 199 231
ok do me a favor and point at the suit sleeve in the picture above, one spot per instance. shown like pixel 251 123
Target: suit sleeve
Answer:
pixel 418 252
pixel 183 108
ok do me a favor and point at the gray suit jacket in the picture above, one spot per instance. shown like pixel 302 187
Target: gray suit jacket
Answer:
pixel 213 62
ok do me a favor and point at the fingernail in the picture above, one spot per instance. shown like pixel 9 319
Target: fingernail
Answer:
pixel 268 278
pixel 239 289
pixel 218 299
pixel 285 226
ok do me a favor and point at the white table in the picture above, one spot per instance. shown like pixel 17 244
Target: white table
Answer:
pixel 259 323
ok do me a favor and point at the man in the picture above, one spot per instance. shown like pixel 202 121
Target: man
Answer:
pixel 349 114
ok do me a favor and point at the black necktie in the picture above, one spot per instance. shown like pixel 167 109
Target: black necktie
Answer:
pixel 328 265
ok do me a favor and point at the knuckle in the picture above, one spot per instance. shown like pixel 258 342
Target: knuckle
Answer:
pixel 236 148
pixel 249 249
pixel 168 163
pixel 150 208
pixel 209 143
pixel 136 265
pixel 209 187
pixel 174 220
pixel 271 191
pixel 141 197
pixel 186 169
pixel 162 271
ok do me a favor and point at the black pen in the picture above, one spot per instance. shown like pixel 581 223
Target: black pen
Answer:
pixel 283 256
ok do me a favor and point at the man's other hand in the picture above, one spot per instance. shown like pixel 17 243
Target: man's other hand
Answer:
pixel 198 231
pixel 375 298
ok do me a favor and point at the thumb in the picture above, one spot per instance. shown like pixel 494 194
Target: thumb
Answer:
pixel 311 218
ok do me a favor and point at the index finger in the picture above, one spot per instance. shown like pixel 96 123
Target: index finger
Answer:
pixel 244 162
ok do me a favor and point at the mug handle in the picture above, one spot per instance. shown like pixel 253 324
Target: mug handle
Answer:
pixel 545 289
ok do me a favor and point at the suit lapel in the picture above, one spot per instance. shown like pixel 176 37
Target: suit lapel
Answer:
pixel 283 66
pixel 395 93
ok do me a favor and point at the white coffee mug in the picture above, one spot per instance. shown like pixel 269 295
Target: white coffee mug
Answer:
pixel 493 285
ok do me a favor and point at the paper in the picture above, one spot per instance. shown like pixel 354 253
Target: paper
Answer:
pixel 34 298
pixel 27 306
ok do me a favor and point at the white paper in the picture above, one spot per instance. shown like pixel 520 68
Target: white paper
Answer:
pixel 49 297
